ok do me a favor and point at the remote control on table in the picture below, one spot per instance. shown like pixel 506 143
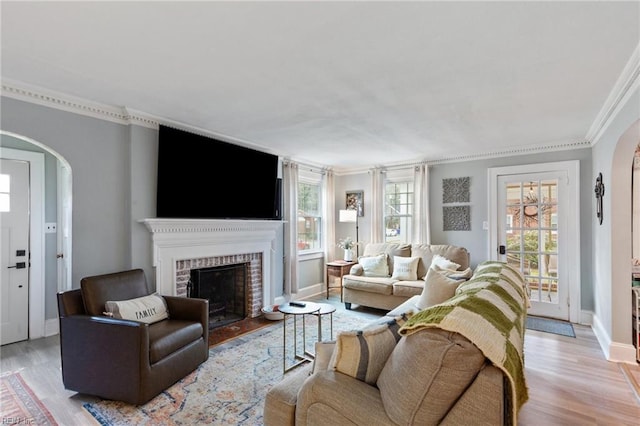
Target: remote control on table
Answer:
pixel 297 304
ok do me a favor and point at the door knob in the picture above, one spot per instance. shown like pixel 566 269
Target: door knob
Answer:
pixel 19 265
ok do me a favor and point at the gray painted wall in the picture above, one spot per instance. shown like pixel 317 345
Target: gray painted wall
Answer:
pixel 477 240
pixel 113 170
pixel 50 215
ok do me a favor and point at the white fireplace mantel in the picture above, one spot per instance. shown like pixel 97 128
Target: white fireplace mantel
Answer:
pixel 181 239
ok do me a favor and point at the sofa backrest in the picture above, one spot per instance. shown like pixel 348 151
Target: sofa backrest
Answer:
pixel 426 374
pixel 390 249
pixel 425 252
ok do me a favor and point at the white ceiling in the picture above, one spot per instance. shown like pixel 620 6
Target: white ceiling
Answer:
pixel 340 84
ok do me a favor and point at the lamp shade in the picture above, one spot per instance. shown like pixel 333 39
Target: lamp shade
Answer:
pixel 348 216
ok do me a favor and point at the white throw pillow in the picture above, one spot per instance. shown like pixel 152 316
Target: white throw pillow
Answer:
pixel 147 309
pixel 453 274
pixel 374 266
pixel 443 262
pixel 405 268
pixel 437 289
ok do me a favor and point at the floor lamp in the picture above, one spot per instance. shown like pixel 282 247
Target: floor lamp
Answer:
pixel 350 216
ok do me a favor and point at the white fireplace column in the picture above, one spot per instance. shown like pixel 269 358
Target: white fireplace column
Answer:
pixel 182 239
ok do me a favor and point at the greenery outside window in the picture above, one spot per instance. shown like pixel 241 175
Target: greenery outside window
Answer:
pixel 398 210
pixel 309 216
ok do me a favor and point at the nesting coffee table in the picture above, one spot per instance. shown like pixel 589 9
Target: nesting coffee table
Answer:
pixel 325 308
pixel 291 310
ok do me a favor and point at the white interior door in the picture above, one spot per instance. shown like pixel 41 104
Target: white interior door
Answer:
pixel 14 237
pixel 536 230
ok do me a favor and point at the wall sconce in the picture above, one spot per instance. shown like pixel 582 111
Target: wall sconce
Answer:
pixel 599 190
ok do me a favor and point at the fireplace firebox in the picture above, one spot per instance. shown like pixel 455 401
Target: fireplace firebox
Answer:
pixel 225 288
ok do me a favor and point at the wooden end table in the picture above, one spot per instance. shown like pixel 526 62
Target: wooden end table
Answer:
pixel 337 269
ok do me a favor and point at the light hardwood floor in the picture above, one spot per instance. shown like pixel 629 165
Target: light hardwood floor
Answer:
pixel 570 382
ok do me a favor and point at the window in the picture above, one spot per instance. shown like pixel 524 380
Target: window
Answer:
pixel 309 215
pixel 5 189
pixel 398 207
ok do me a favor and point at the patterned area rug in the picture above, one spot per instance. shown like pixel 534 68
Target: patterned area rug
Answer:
pixel 19 405
pixel 547 325
pixel 228 389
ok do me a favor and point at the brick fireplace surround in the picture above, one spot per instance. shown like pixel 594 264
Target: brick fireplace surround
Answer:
pixel 180 245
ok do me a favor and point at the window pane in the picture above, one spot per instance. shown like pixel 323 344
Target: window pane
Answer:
pixel 5 205
pixel 5 183
pixel 398 210
pixel 309 218
pixel 5 189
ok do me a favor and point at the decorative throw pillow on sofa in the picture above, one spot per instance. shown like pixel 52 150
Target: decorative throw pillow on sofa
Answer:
pixel 362 354
pixel 453 273
pixel 405 268
pixel 444 263
pixel 374 266
pixel 147 309
pixel 437 289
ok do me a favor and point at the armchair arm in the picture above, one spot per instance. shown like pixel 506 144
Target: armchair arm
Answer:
pixel 189 309
pixel 104 356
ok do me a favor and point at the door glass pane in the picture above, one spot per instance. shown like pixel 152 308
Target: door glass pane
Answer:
pixel 514 243
pixel 531 235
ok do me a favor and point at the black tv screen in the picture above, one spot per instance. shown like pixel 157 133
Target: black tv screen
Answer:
pixel 205 178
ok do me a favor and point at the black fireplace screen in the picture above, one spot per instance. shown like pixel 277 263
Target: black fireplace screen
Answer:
pixel 225 288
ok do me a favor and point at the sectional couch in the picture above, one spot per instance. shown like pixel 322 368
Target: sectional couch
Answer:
pixel 460 362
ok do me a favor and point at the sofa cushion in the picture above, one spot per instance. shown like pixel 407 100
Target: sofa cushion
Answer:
pixel 408 288
pixel 437 289
pixel 361 354
pixel 375 266
pixel 166 337
pixel 425 375
pixel 148 309
pixel 368 284
pixel 456 254
pixel 405 268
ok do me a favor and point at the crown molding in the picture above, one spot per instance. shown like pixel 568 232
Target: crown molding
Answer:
pixel 65 102
pixel 509 152
pixel 626 85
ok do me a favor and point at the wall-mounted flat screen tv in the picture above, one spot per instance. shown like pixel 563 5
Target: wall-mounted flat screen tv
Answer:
pixel 205 178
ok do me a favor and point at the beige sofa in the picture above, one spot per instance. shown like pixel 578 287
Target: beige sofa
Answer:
pixel 388 292
pixel 436 374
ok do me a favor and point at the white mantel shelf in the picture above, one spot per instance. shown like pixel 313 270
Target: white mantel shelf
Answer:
pixel 181 239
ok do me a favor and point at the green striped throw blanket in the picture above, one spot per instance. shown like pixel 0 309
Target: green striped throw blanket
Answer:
pixel 490 311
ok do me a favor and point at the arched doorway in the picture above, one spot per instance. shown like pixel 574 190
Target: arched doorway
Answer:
pixel 620 191
pixel 42 257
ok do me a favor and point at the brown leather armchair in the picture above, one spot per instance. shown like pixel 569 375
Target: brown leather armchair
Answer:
pixel 128 360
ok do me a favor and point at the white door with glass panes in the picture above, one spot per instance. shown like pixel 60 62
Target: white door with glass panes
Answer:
pixel 14 252
pixel 536 230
